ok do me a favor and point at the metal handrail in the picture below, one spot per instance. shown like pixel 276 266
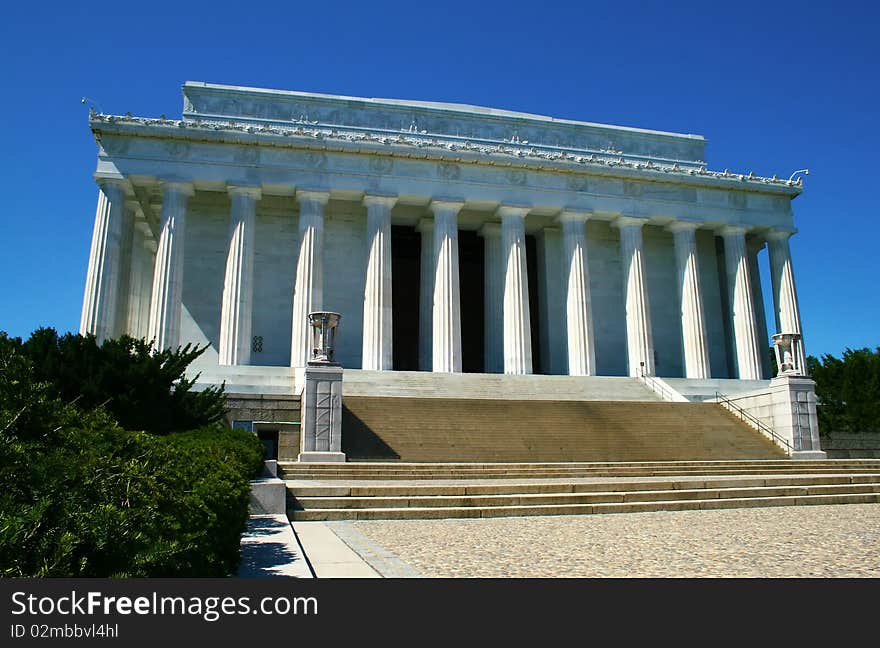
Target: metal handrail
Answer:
pixel 732 407
pixel 657 388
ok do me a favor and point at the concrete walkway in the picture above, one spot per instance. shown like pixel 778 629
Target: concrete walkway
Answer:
pixel 329 555
pixel 269 548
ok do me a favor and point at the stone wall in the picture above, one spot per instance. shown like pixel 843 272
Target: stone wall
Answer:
pixel 865 445
pixel 281 413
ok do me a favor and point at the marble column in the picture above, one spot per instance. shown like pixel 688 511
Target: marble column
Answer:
pixel 377 349
pixel 165 302
pixel 694 343
pixel 578 304
pixel 754 245
pixel 742 304
pixel 123 281
pixel 639 337
pixel 308 291
pixel 236 314
pixel 143 255
pixel 426 294
pixel 446 320
pixel 517 323
pixel 103 275
pixel 493 299
pixel 788 317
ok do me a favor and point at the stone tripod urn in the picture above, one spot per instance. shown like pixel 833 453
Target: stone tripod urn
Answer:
pixel 322 396
pixel 323 328
pixel 786 347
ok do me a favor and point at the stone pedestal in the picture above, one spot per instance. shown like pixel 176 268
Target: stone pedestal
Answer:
pixel 321 429
pixel 794 415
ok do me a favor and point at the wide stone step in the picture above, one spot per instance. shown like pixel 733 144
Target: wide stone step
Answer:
pixel 433 469
pixel 424 384
pixel 413 513
pixel 606 497
pixel 309 490
pixel 792 468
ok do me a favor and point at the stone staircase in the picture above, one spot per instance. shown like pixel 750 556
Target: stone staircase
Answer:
pixel 434 491
pixel 473 430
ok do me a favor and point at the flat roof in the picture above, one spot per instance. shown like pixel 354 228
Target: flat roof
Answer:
pixel 439 106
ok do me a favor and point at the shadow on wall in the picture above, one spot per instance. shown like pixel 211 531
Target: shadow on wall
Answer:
pixel 359 441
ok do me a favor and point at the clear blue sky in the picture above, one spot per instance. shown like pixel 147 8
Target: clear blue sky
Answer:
pixel 773 86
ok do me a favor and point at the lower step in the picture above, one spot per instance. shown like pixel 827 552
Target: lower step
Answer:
pixel 425 513
pixel 541 499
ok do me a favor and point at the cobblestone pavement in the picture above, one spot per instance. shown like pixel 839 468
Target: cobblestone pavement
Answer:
pixel 802 541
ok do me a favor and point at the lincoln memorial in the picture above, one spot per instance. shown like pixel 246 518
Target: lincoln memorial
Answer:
pixel 452 239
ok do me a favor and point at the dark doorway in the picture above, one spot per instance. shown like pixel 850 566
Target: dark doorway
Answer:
pixel 470 275
pixel 534 320
pixel 270 442
pixel 406 249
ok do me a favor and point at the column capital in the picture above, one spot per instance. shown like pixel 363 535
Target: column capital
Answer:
pixel 446 206
pixel 425 225
pixel 512 211
pixel 180 188
pixel 312 196
pixel 115 184
pixel 683 226
pixel 733 230
pixel 628 221
pixel 573 215
pixel 240 190
pixel 375 200
pixel 779 235
pixel 489 230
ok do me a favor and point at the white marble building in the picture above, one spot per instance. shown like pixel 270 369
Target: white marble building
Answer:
pixel 450 238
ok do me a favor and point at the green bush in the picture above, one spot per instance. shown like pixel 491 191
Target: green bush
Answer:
pixel 143 389
pixel 81 496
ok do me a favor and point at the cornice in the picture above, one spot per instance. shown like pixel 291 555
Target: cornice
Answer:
pixel 414 145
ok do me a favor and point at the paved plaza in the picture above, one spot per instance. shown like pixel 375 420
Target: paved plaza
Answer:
pixel 802 541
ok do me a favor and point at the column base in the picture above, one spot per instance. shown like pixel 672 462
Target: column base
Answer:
pixel 321 457
pixel 809 455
